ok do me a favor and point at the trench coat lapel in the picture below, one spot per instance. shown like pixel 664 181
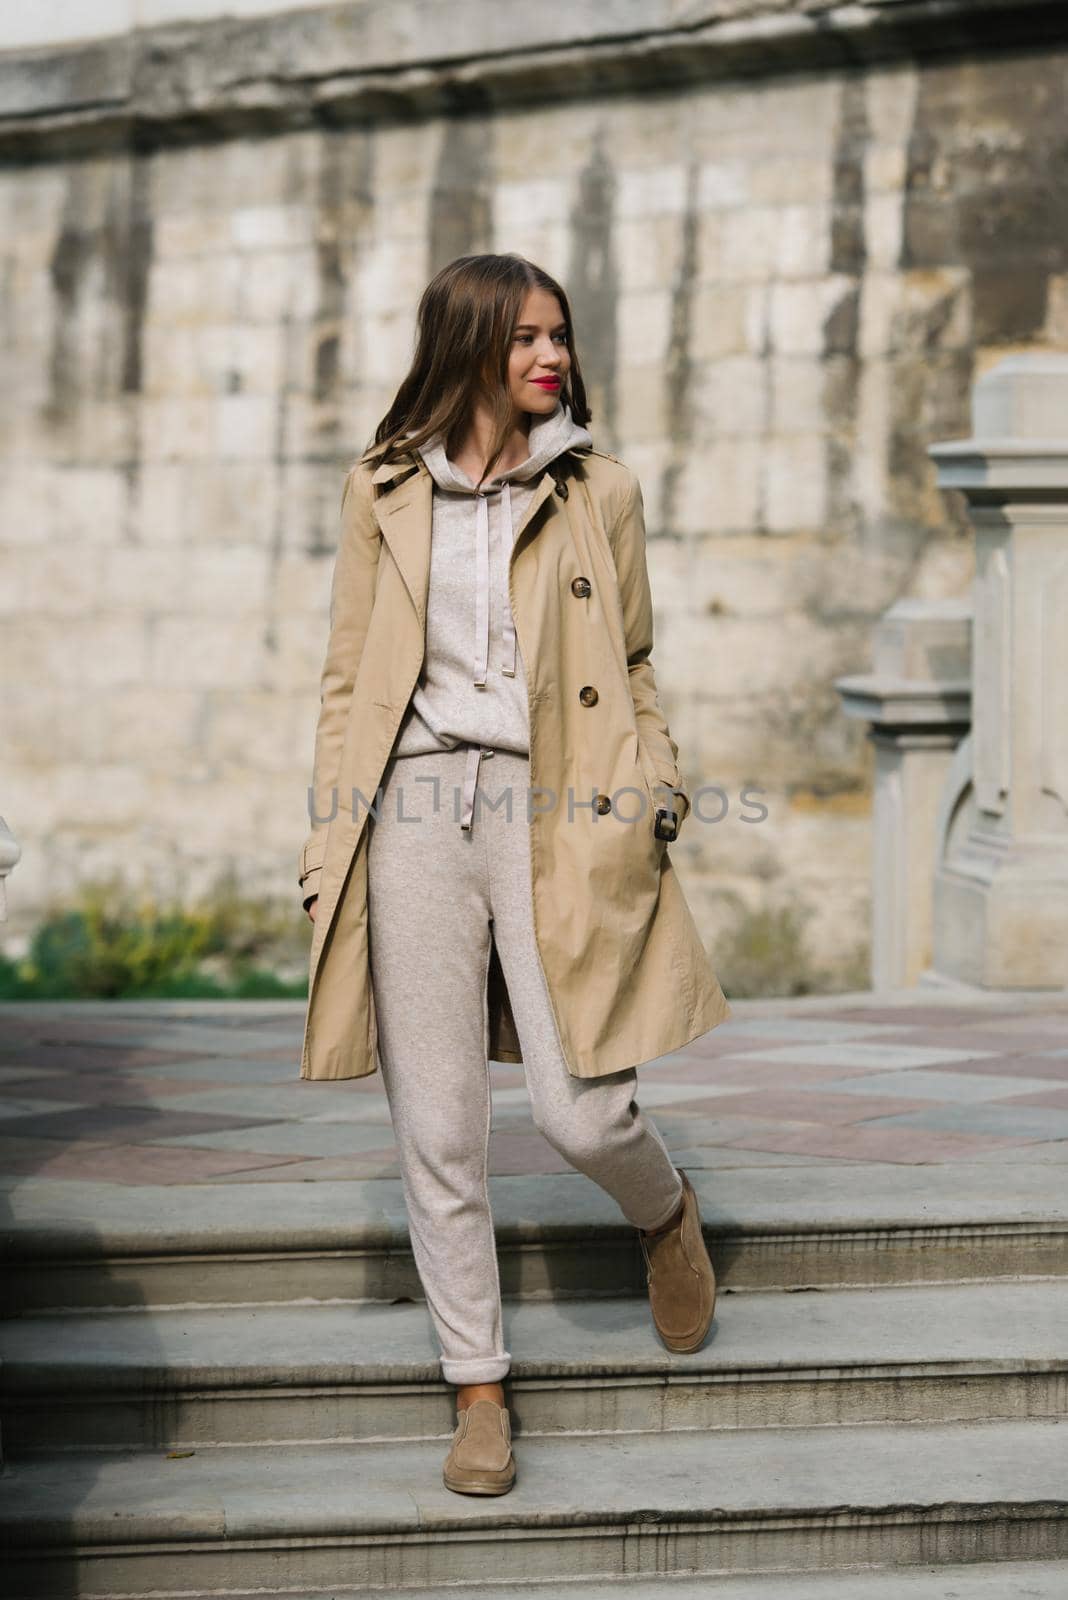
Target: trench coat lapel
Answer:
pixel 405 516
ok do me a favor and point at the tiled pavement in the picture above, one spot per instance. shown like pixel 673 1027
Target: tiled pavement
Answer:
pixel 210 1093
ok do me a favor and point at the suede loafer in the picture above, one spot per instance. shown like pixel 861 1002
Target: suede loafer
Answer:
pixel 480 1460
pixel 682 1284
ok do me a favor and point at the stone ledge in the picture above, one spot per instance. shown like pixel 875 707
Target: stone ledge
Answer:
pixel 285 1373
pixel 865 1495
pixel 344 65
pixel 47 1220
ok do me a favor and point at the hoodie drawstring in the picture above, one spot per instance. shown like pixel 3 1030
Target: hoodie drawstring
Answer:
pixel 482 595
pixel 482 621
pixel 475 755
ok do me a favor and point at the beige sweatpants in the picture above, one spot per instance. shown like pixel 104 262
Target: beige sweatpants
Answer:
pixel 434 888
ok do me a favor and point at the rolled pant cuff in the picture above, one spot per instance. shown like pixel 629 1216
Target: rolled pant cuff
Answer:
pixel 476 1369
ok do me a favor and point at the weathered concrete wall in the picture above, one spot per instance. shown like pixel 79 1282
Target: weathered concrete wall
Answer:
pixel 29 23
pixel 784 284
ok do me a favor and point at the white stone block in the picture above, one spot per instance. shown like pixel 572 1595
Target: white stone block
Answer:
pixel 795 482
pixel 55 579
pixel 796 394
pixel 273 732
pixel 105 794
pixel 196 289
pixel 525 203
pixel 46 503
pixel 234 579
pixel 885 168
pixel 178 428
pixel 643 325
pixel 32 198
pixel 272 227
pixel 880 306
pixel 884 223
pixel 647 251
pixel 723 185
pixel 95 651
pixel 178 234
pixel 156 721
pixel 104 432
pixel 301 584
pixel 225 500
pixel 651 191
pixel 804 241
pixel 729 398
pixel 200 651
pixel 787 177
pixel 642 402
pixel 891 93
pixel 405 153
pixel 390 348
pixel 404 214
pixel 548 245
pixel 389 278
pixel 169 363
pixel 718 321
pixel 246 426
pixel 750 243
pixel 278 284
pixel 719 489
pixel 876 406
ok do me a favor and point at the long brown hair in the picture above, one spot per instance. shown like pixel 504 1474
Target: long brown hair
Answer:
pixel 466 320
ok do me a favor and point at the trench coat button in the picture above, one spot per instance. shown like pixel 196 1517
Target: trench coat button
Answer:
pixel 604 804
pixel 588 695
pixel 581 587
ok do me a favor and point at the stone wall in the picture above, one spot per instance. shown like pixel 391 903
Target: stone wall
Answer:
pixel 791 243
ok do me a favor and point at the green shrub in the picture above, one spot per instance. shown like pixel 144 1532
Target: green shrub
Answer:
pixel 117 943
pixel 764 954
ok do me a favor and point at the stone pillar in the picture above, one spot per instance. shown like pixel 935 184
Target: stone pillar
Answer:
pixel 10 852
pixel 1001 893
pixel 917 702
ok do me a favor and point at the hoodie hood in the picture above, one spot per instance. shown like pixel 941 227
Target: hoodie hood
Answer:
pixel 549 437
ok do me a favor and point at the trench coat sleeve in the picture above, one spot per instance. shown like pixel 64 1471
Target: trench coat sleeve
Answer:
pixel 629 546
pixel 351 601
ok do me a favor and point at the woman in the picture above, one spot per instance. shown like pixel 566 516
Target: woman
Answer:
pixel 495 786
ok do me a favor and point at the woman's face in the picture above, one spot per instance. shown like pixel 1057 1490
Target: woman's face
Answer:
pixel 540 360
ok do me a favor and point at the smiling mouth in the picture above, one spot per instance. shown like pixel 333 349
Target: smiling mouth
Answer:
pixel 546 383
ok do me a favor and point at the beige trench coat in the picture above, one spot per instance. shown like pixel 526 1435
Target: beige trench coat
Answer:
pixel 627 973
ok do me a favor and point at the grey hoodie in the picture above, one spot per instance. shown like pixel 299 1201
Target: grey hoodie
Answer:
pixel 472 688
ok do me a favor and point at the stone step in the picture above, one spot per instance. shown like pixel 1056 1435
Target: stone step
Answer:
pixel 77 1245
pixel 979 1580
pixel 249 1375
pixel 734 1502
